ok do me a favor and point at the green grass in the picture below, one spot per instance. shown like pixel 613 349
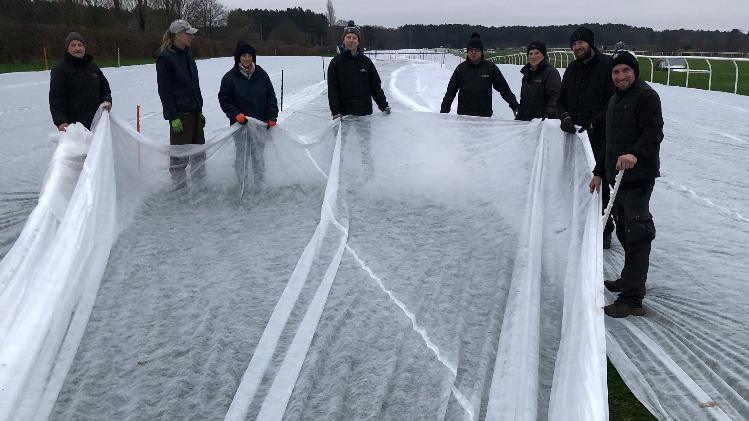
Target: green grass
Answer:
pixel 623 406
pixel 39 65
pixel 724 75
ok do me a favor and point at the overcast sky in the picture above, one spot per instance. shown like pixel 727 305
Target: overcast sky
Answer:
pixel 657 14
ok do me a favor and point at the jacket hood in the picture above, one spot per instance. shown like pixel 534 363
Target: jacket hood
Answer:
pixel 242 48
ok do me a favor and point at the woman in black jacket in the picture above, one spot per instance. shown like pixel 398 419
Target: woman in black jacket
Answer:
pixel 77 86
pixel 540 86
pixel 247 92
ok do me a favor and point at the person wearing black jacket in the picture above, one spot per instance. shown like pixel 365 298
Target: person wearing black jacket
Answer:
pixel 473 81
pixel 77 86
pixel 247 92
pixel 353 80
pixel 181 99
pixel 634 131
pixel 586 89
pixel 539 90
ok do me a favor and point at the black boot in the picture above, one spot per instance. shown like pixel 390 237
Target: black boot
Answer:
pixel 614 286
pixel 619 309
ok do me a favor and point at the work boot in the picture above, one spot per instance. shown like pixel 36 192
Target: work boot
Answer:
pixel 607 242
pixel 614 286
pixel 619 309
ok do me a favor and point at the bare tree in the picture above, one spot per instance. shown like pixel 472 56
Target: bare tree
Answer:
pixel 331 13
pixel 208 14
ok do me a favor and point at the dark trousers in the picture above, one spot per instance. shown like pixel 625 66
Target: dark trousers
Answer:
pixel 596 144
pixel 636 231
pixel 360 128
pixel 192 134
pixel 248 157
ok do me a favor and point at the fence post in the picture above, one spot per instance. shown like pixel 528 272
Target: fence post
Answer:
pixel 119 64
pixel 710 77
pixel 652 67
pixel 686 60
pixel 323 66
pixel 668 76
pixel 137 127
pixel 46 65
pixel 736 84
pixel 281 89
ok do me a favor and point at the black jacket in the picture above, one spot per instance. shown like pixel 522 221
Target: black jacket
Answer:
pixel 353 82
pixel 634 125
pixel 539 92
pixel 586 89
pixel 179 87
pixel 475 82
pixel 253 97
pixel 76 89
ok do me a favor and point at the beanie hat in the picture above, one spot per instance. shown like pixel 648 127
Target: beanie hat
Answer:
pixel 625 57
pixel 74 36
pixel 351 28
pixel 244 48
pixel 475 42
pixel 536 45
pixel 583 34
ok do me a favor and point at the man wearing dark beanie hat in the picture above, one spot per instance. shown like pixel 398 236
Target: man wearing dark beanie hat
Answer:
pixel 586 89
pixel 353 80
pixel 539 89
pixel 634 131
pixel 475 78
pixel 77 86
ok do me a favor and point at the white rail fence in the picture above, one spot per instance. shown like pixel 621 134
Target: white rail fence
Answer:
pixel 670 64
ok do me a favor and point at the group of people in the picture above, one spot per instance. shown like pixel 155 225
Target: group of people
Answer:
pixel 600 94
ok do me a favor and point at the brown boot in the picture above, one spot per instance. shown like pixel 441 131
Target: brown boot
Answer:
pixel 614 286
pixel 619 309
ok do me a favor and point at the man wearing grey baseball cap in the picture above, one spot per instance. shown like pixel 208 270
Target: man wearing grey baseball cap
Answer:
pixel 181 99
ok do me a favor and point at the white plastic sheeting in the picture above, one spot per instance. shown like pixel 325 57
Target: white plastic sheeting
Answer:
pixel 453 273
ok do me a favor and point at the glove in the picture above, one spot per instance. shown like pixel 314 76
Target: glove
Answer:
pixel 177 125
pixel 515 112
pixel 271 123
pixel 337 116
pixel 202 120
pixel 386 110
pixel 567 125
pixel 241 119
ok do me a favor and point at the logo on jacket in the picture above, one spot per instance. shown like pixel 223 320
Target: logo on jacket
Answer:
pixel 363 70
pixel 484 75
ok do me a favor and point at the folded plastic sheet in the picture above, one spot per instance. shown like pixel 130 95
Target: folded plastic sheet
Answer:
pixel 453 271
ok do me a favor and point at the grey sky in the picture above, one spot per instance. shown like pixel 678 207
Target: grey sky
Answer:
pixel 657 14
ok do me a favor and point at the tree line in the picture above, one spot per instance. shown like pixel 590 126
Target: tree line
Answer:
pixel 135 28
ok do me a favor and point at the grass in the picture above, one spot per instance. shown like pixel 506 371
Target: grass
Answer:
pixel 623 406
pixel 39 65
pixel 724 74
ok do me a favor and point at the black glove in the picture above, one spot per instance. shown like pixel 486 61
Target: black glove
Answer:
pixel 202 120
pixel 567 125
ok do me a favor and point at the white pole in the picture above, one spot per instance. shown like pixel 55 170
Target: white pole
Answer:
pixel 118 57
pixel 710 77
pixel 736 84
pixel 652 67
pixel 687 62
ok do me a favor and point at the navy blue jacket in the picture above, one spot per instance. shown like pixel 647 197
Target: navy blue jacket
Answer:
pixel 253 97
pixel 179 87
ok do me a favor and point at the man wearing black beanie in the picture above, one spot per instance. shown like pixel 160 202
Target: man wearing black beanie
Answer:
pixel 586 89
pixel 539 88
pixel 475 78
pixel 77 86
pixel 634 131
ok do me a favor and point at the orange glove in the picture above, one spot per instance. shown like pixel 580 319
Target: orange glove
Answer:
pixel 271 123
pixel 241 118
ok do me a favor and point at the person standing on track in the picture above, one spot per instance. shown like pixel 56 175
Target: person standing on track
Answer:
pixel 634 131
pixel 473 81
